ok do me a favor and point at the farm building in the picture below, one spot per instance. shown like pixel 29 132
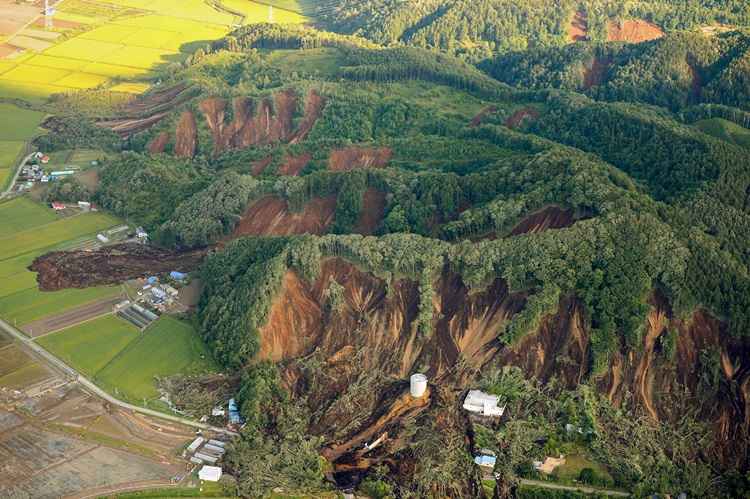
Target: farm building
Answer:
pixel 217 443
pixel 102 238
pixel 234 413
pixel 485 461
pixel 84 205
pixel 206 458
pixel 195 444
pixel 483 404
pixel 177 276
pixel 158 293
pixel 210 473
pixel 58 206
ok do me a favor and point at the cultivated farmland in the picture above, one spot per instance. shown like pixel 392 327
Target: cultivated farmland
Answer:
pixel 89 346
pixel 167 347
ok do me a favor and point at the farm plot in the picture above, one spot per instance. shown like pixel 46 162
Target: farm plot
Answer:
pixel 22 214
pixel 9 152
pixel 17 124
pixel 90 346
pixel 167 347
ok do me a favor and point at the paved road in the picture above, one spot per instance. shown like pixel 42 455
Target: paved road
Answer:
pixel 7 191
pixel 86 383
pixel 580 488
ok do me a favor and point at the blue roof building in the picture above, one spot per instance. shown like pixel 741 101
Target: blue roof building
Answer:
pixel 177 276
pixel 485 461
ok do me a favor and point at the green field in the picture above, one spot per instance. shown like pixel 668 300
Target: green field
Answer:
pixel 17 124
pixel 167 347
pixel 30 229
pixel 726 130
pixel 90 346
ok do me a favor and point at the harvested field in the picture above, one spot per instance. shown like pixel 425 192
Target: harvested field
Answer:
pixel 551 217
pixel 109 265
pixel 270 216
pixel 479 118
pixel 58 24
pixel 14 16
pixel 579 27
pixel 351 158
pixel 521 116
pixel 595 75
pixel 293 165
pixel 633 31
pixel 373 210
pixel 71 317
pixel 6 50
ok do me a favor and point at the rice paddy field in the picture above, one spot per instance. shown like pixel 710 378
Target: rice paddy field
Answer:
pixel 105 42
pixel 169 346
pixel 91 345
pixel 28 229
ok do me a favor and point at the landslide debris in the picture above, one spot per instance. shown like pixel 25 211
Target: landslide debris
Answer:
pixel 109 265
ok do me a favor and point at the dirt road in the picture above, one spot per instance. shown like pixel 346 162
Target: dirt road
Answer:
pixel 9 190
pixel 579 488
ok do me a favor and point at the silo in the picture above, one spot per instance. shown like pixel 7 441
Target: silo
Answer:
pixel 418 385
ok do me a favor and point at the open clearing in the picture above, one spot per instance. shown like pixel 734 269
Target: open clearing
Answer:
pixel 169 346
pixel 89 346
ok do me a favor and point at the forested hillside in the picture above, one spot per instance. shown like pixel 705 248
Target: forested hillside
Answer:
pixel 371 211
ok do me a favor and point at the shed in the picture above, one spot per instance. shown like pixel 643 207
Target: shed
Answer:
pixel 217 443
pixel 206 457
pixel 177 276
pixel 152 280
pixel 102 238
pixel 195 460
pixel 210 473
pixel 58 206
pixel 214 449
pixel 195 444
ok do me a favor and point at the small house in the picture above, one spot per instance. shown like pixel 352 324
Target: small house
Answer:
pixel 102 238
pixel 84 205
pixel 485 461
pixel 177 276
pixel 58 206
pixel 484 404
pixel 158 293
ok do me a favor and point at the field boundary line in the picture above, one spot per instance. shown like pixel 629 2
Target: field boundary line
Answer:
pixel 72 325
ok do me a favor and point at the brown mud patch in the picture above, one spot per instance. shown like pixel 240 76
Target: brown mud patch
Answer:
pixel 479 118
pixel 596 73
pixel 258 167
pixel 551 217
pixel 373 210
pixel 270 216
pixel 186 136
pixel 527 114
pixel 633 31
pixel 158 143
pixel 293 165
pixel 109 265
pixel 313 109
pixel 578 31
pixel 352 158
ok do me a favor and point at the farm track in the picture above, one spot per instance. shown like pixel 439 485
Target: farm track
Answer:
pixel 60 366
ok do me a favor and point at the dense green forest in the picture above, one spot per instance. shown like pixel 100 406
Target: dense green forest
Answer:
pixel 649 169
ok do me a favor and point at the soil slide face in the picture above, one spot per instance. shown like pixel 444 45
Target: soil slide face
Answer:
pixel 373 210
pixel 578 31
pixel 258 167
pixel 351 158
pixel 633 31
pixel 270 216
pixel 258 123
pixel 186 136
pixel 159 143
pixel 596 74
pixel 109 265
pixel 293 165
pixel 551 217
pixel 527 114
pixel 479 118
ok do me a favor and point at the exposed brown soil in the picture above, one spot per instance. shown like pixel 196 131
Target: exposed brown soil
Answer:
pixel 293 165
pixel 58 24
pixel 270 216
pixel 522 115
pixel 578 31
pixel 373 209
pixel 6 50
pixel 633 31
pixel 109 265
pixel 351 158
pixel 128 126
pixel 596 74
pixel 186 136
pixel 258 167
pixel 550 217
pixel 479 118
pixel 71 317
pixel 158 143
pixel 313 108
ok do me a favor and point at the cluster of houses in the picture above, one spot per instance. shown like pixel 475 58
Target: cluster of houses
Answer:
pixel 161 295
pixel 206 453
pixel 33 170
pixel 483 406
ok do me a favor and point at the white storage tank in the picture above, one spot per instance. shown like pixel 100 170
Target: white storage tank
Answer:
pixel 418 385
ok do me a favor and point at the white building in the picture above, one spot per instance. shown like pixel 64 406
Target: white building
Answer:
pixel 196 443
pixel 210 473
pixel 484 404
